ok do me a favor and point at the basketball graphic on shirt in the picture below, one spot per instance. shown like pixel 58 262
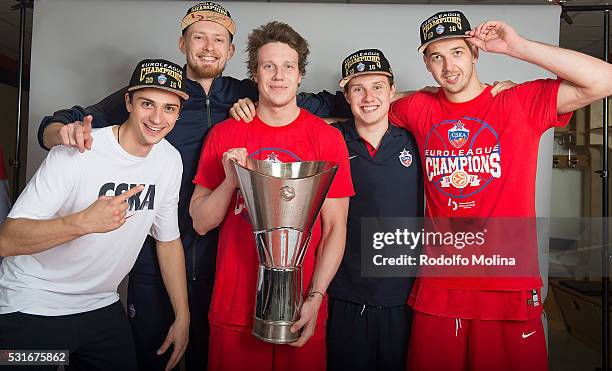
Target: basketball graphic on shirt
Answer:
pixel 460 179
pixel 462 157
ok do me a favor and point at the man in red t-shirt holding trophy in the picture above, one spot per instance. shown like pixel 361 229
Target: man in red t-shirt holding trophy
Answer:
pixel 281 132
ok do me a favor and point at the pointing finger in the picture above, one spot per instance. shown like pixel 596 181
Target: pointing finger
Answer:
pixel 129 193
pixel 87 124
pixel 87 121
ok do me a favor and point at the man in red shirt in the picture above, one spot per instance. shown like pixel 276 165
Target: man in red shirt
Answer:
pixel 479 154
pixel 281 132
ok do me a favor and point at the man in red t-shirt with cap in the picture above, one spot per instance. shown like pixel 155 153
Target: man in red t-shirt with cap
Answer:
pixel 479 154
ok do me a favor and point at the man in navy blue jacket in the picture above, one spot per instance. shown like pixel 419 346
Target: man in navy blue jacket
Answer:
pixel 368 325
pixel 206 41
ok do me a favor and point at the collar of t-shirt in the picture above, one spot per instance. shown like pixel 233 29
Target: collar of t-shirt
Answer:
pixel 477 101
pixel 265 128
pixel 371 149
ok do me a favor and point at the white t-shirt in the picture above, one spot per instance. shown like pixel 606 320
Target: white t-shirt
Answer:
pixel 83 274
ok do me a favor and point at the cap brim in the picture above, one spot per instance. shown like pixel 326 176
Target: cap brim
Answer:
pixel 423 46
pixel 210 16
pixel 180 93
pixel 345 80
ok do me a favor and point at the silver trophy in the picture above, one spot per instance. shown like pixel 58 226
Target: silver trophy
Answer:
pixel 283 201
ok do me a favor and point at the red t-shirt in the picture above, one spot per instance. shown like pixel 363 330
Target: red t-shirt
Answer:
pixel 307 138
pixel 480 159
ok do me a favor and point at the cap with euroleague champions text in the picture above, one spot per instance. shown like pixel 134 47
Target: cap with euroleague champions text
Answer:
pixel 443 25
pixel 160 74
pixel 362 62
pixel 209 11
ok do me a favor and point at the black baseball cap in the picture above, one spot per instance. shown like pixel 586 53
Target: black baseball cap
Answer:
pixel 362 62
pixel 443 25
pixel 209 11
pixel 160 74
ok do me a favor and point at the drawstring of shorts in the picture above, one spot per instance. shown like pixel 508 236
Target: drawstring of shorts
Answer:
pixel 365 306
pixel 457 326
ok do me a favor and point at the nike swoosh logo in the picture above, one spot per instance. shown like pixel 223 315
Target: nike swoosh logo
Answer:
pixel 525 336
pixel 352 157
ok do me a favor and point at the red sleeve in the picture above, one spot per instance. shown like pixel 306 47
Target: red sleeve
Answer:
pixel 539 101
pixel 210 169
pixel 342 185
pixel 400 112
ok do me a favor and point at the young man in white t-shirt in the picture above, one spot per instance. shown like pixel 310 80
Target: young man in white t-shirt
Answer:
pixel 77 228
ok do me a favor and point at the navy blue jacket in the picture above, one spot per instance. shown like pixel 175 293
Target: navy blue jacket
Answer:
pixel 384 187
pixel 198 114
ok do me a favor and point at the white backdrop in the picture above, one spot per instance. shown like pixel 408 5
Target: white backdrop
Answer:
pixel 83 50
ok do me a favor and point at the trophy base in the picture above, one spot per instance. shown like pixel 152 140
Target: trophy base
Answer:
pixel 276 332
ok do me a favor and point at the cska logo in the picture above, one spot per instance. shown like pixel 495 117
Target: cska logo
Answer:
pixel 143 200
pixel 405 158
pixel 458 135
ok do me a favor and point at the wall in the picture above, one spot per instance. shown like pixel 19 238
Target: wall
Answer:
pixel 84 50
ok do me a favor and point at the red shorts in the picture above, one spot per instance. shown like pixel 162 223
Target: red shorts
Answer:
pixel 475 304
pixel 450 344
pixel 237 349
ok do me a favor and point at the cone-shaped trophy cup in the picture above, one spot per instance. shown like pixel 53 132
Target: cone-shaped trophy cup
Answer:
pixel 283 201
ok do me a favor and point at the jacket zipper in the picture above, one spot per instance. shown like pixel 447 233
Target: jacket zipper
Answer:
pixel 193 246
pixel 208 117
pixel 208 112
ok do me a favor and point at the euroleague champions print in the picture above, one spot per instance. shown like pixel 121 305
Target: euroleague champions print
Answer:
pixel 462 157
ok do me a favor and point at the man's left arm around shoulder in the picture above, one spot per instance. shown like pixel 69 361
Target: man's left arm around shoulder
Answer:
pixel 329 255
pixel 586 79
pixel 171 259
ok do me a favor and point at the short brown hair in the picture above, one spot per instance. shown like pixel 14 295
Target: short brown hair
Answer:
pixel 273 32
